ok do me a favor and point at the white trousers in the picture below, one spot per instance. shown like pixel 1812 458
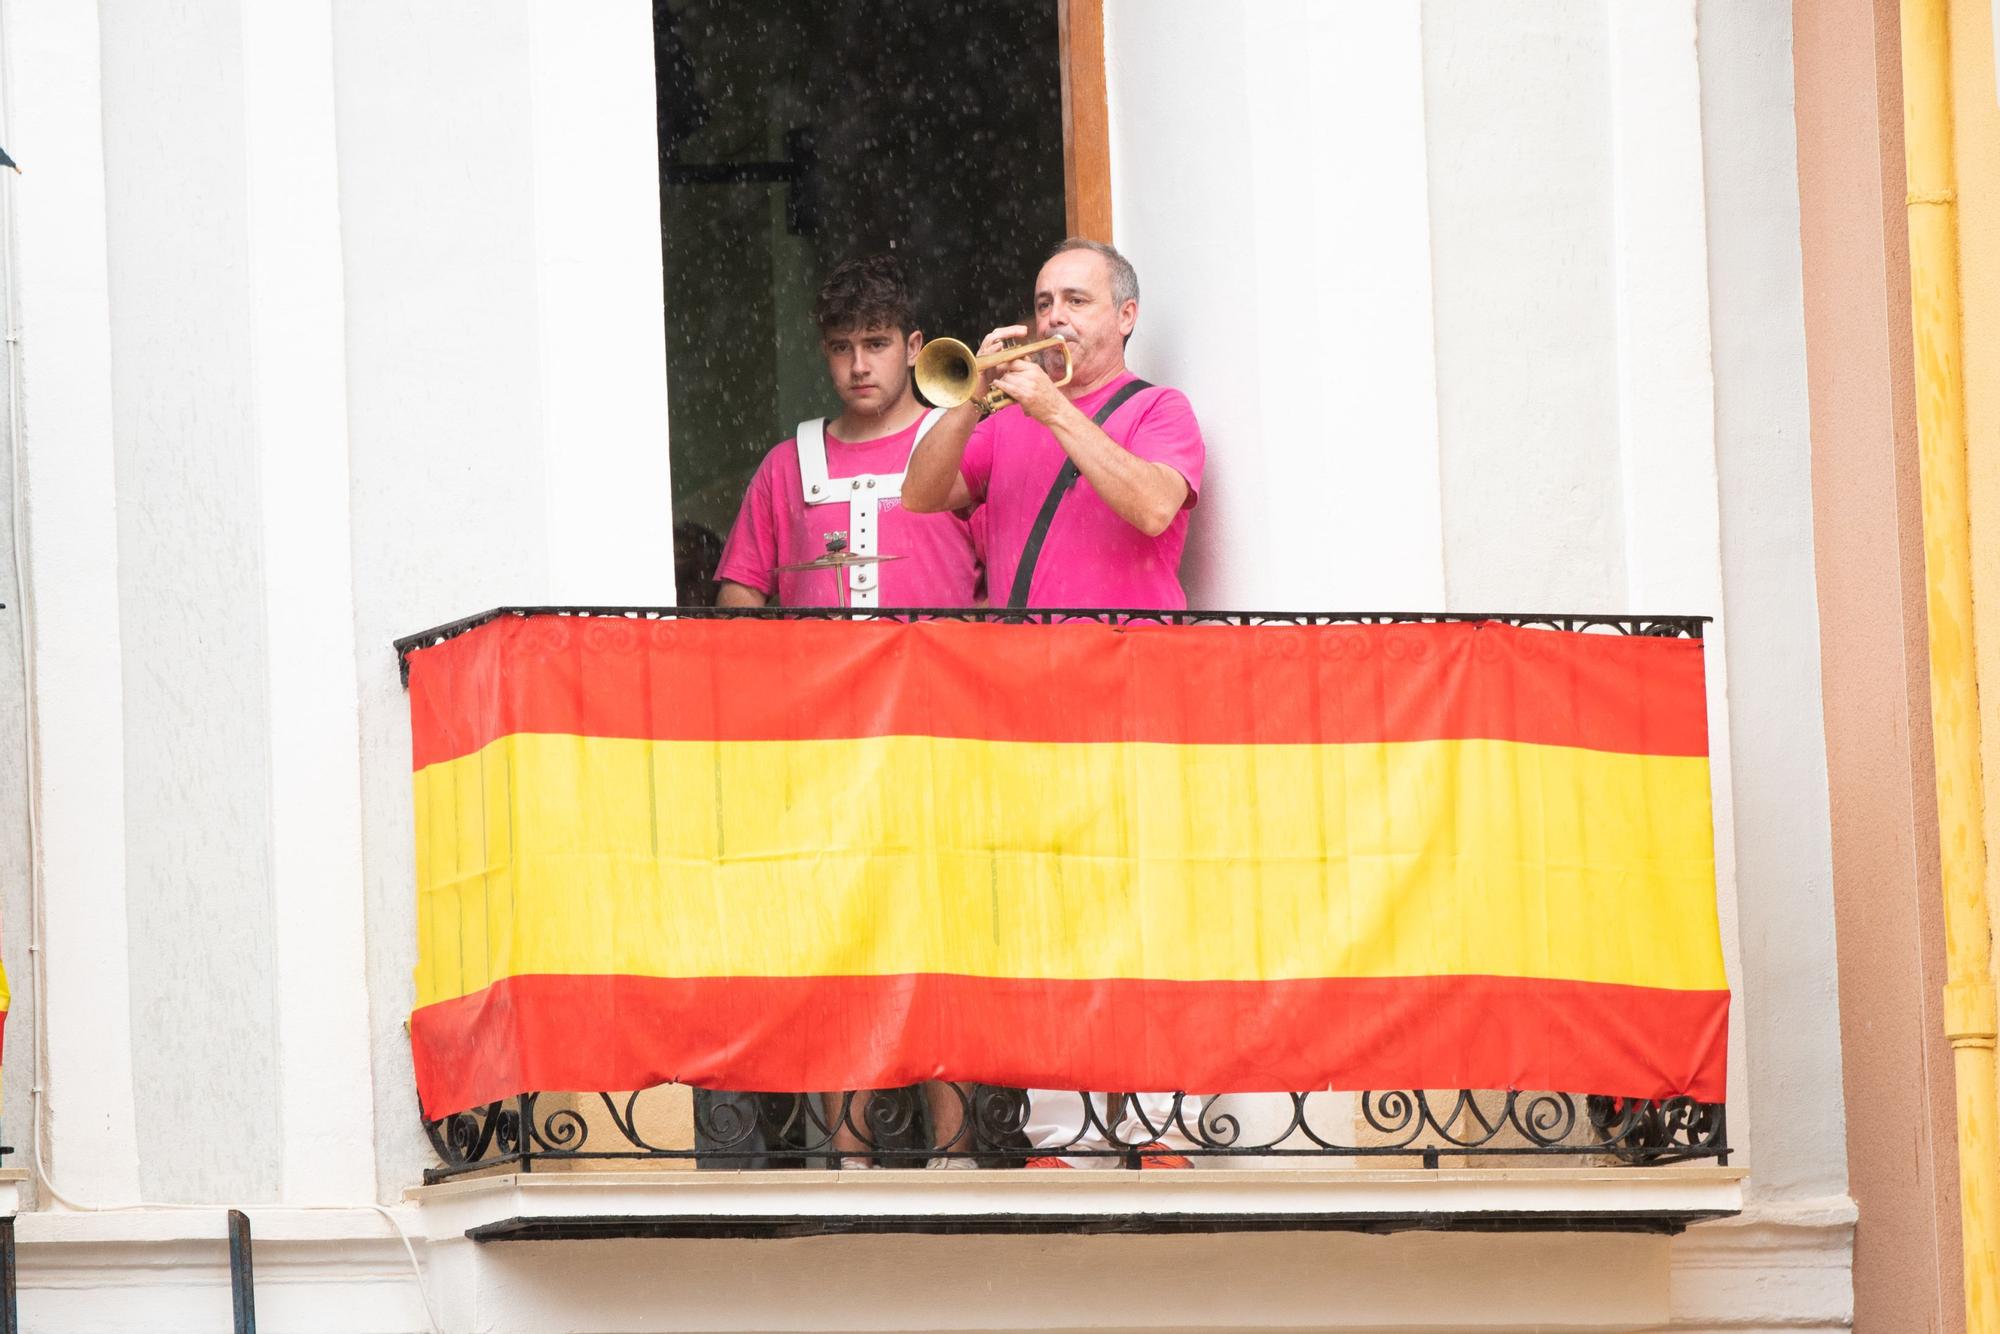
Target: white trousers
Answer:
pixel 1056 1121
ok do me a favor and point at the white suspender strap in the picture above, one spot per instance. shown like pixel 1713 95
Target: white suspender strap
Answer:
pixel 863 494
pixel 813 484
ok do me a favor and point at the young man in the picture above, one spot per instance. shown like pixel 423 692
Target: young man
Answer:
pixel 845 476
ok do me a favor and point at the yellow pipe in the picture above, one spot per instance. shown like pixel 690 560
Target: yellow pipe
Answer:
pixel 1969 1006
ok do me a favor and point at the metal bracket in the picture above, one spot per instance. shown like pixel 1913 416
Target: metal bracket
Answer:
pixel 242 1291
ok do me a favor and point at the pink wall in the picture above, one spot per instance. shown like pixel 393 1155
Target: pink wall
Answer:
pixel 1873 649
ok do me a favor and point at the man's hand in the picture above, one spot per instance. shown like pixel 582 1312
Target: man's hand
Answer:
pixel 1028 384
pixel 997 342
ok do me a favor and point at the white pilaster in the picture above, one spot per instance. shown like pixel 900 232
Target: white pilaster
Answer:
pixel 1285 276
pixel 1343 247
pixel 595 161
pixel 52 66
pixel 1519 184
pixel 1785 1089
pixel 1666 400
pixel 1666 394
pixel 300 411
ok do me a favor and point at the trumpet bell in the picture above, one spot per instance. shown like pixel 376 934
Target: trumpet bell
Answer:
pixel 946 372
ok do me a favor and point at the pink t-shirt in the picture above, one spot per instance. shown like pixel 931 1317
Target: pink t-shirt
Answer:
pixel 775 527
pixel 1091 557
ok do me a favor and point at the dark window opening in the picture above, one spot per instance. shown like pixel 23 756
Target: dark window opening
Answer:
pixel 795 136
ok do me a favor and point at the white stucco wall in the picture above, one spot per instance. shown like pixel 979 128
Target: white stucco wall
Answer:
pixel 1286 284
pixel 1517 103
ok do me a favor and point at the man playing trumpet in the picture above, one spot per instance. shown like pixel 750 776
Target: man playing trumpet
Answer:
pixel 1118 513
pixel 1085 488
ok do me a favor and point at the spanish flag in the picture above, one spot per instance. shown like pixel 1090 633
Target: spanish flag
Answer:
pixel 809 854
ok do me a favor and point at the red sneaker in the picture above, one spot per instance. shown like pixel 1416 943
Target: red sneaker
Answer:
pixel 1050 1162
pixel 1156 1154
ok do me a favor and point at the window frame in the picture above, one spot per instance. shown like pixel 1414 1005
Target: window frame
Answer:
pixel 1086 120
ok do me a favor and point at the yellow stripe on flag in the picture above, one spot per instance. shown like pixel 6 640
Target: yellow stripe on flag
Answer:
pixel 589 855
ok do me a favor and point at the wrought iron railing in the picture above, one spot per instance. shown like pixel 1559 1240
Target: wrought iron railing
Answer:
pixel 889 1128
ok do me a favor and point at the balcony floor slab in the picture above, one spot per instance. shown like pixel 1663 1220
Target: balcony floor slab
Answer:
pixel 739 1204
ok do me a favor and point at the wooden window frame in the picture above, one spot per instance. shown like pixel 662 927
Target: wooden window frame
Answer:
pixel 1086 120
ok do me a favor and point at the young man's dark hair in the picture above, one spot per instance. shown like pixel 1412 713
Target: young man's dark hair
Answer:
pixel 865 293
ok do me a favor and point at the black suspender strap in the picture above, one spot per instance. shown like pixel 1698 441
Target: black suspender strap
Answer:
pixel 1024 573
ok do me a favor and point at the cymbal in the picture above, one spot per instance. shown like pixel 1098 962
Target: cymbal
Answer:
pixel 837 560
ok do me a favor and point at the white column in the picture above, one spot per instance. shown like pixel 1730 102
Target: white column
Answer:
pixel 1666 397
pixel 54 100
pixel 1666 393
pixel 298 391
pixel 595 158
pixel 1785 1080
pixel 1343 243
pixel 1520 189
pixel 1285 275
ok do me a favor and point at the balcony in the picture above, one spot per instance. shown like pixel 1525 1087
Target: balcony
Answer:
pixel 673 1126
pixel 1512 1151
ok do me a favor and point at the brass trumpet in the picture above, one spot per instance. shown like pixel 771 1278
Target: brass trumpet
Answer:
pixel 947 370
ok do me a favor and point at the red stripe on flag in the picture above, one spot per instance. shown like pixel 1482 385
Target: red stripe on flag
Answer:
pixel 756 680
pixel 587 1033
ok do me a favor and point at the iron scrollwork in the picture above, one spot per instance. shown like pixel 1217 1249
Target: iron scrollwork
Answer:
pixel 891 1128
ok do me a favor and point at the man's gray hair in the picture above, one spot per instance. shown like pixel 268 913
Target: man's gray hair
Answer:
pixel 1124 278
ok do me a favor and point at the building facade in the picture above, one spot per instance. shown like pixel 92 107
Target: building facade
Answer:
pixel 332 321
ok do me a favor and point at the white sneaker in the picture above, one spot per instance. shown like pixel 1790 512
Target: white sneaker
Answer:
pixel 856 1163
pixel 954 1164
